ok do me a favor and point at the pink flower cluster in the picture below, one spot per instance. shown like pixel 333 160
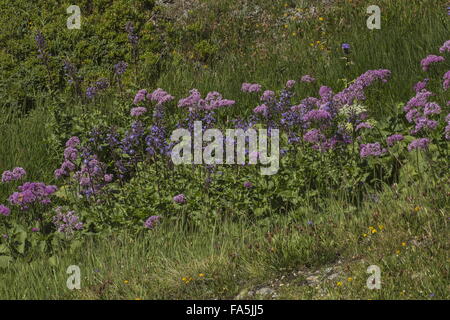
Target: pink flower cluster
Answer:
pixel 159 96
pixel 445 47
pixel 213 100
pixel 262 109
pixel 250 87
pixel 307 78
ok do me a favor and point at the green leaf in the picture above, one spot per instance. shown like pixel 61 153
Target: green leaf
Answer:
pixel 53 260
pixel 3 249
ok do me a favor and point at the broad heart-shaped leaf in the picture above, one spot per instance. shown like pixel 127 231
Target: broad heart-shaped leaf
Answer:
pixel 21 238
pixel 4 261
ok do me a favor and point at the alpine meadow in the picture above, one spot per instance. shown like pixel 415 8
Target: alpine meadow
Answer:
pixel 229 150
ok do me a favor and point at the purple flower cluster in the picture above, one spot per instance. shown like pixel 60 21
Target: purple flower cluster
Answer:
pixel 133 138
pixel 419 86
pixel 363 125
pixel 132 36
pixel 250 87
pixel 261 109
pixel 156 141
pixel 92 176
pixel 418 109
pixel 180 199
pixel 4 211
pixel 421 143
pixel 418 101
pixel 307 78
pixel 66 222
pixel 32 192
pixel 268 96
pixel 41 45
pixel 71 72
pixel 447 127
pixel 73 142
pixel 159 96
pixel 445 47
pixel 317 115
pixel 14 175
pixel 120 68
pixel 423 123
pixel 290 84
pixel 70 156
pixel 138 111
pixel 212 101
pixel 393 139
pixel 151 222
pixel 429 60
pixel 355 91
pixel 314 136
pixel 248 184
pixel 140 96
pixel 346 48
pixel 371 149
pixel 446 83
pixel 326 94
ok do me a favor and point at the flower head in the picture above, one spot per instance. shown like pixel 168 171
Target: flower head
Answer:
pixel 346 48
pixel 429 60
pixel 151 222
pixel 421 143
pixel 5 211
pixel 307 78
pixel 391 140
pixel 180 198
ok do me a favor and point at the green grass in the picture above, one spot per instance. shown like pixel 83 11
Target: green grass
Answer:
pixel 410 246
